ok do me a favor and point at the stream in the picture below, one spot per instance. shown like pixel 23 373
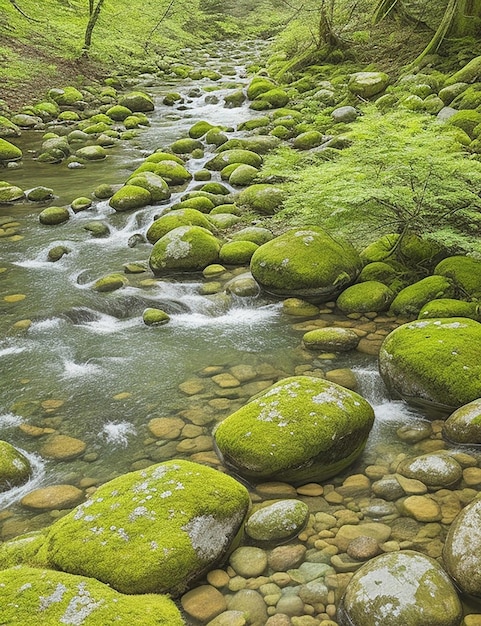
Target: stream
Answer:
pixel 86 365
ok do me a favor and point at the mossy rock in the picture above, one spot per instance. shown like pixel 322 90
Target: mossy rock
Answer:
pixel 234 99
pixel 237 252
pixel 298 430
pixel 57 252
pixel 10 193
pixel 173 219
pixel 464 425
pixel 69 116
pixel 412 251
pixel 215 188
pixel 97 129
pixel 331 339
pixel 378 271
pixel 215 137
pixel 414 585
pixel 172 172
pixel 91 153
pixel 155 317
pixel 258 86
pixel 277 521
pixel 199 129
pixel 233 209
pixel 148 531
pixel 257 122
pixel 137 101
pixel 256 234
pixel 158 157
pixel 39 194
pixel 67 96
pixel 184 248
pixel 8 128
pixel 470 73
pixel 228 157
pixel 81 204
pixel 172 98
pixel 111 282
pixel 272 99
pixel 24 120
pixel 186 145
pixel 447 307
pixel 54 215
pixel 202 175
pixel 306 263
pixel 260 144
pixel 462 548
pixel 367 84
pixel 410 300
pixel 9 152
pixel 97 229
pixel 467 120
pixel 227 171
pixel 366 296
pixel 131 122
pixel 450 92
pixel 434 362
pixel 130 197
pixel 262 198
pixel 15 468
pixel 118 113
pixel 199 203
pixel 464 272
pixel 155 185
pixel 432 104
pixel 39 596
pixel 309 139
pixel 104 191
pixel 224 220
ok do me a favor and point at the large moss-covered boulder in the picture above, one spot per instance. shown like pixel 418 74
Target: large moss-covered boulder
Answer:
pixel 272 99
pixel 184 248
pixel 186 145
pixel 228 157
pixel 400 589
pixel 258 86
pixel 464 272
pixel 464 425
pixel 256 234
pixel 434 361
pixel 411 250
pixel 39 596
pixel 130 197
pixel 91 153
pixel 174 219
pixel 462 549
pixel 411 299
pixel 10 193
pixel 298 430
pixel 370 295
pixel 172 172
pixel 149 531
pixel 53 215
pixel 262 198
pixel 9 152
pixel 448 307
pixel 237 252
pixel 137 101
pixel 68 96
pixel 307 263
pixel 155 185
pixel 15 468
pixel 368 84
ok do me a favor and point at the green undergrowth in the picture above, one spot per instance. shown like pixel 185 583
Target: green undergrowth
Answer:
pixel 400 172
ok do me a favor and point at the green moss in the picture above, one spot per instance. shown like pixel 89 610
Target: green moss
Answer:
pixel 365 296
pixel 256 234
pixel 54 215
pixel 447 307
pixel 271 99
pixel 32 596
pixel 465 273
pixel 9 152
pixel 228 157
pixel 309 139
pixel 118 113
pixel 262 198
pixel 148 531
pixel 466 120
pixel 298 424
pixel 172 172
pixel 215 188
pixel 154 184
pixel 112 282
pixel 68 96
pixel 330 339
pixel 243 175
pixel 436 360
pixel 15 468
pixel 233 209
pixel 130 197
pixel 378 271
pixel 199 203
pixel 10 193
pixel 174 219
pixel 155 317
pixel 184 248
pixel 258 86
pixel 137 101
pixel 157 157
pixel 199 129
pixel 185 146
pixel 411 299
pixel 237 252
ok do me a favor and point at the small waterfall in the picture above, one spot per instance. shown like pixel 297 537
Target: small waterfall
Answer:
pixel 371 386
pixel 7 498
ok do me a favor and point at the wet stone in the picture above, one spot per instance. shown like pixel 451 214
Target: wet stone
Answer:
pixel 250 602
pixel 54 497
pixel 203 603
pixel 248 561
pixel 166 427
pixel 63 448
pixel 363 548
pixel 283 558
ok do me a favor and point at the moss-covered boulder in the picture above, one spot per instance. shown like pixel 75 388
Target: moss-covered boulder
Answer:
pixel 224 220
pixel 91 153
pixel 367 84
pixel 400 588
pixel 97 228
pixel 199 129
pixel 277 521
pixel 467 120
pixel 258 86
pixel 15 468
pixel 186 145
pixel 307 140
pixel 184 248
pixel 463 426
pixel 228 157
pixel 148 531
pixel 433 362
pixel 331 339
pixel 118 113
pixel 9 152
pixel 298 430
pixel 172 172
pixel 159 156
pixel 199 203
pixel 410 300
pixel 256 234
pixel 10 193
pixel 111 282
pixel 379 271
pixel 8 128
pixel 411 250
pixel 306 263
pixel 262 198
pixel 296 307
pixel 155 317
pixel 272 99
pixel 137 101
pixel 39 596
pixel 130 197
pixel 39 194
pixel 173 219
pixel 468 74
pixel 54 215
pixel 243 175
pixel 234 99
pixel 57 252
pixel 464 272
pixel 260 144
pixel 68 96
pixel 237 252
pixel 462 549
pixel 155 185
pixel 448 307
pixel 369 295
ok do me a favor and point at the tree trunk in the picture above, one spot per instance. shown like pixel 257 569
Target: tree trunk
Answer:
pixel 467 18
pixel 94 16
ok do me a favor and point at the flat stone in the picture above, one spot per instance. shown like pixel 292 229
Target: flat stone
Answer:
pixel 363 548
pixel 273 490
pixel 243 373
pixel 283 558
pixel 63 448
pixel 310 489
pixel 192 386
pixel 203 603
pixel 411 486
pixel 348 532
pixel 248 561
pixel 52 498
pixel 422 509
pixel 229 618
pixel 472 476
pixel 166 427
pixel 226 380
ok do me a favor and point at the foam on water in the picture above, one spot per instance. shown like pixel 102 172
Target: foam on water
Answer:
pixel 7 498
pixel 11 350
pixel 116 433
pixel 242 316
pixel 108 324
pixel 45 325
pixel 9 420
pixel 79 370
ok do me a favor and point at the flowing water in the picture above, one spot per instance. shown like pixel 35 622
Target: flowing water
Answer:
pixel 86 366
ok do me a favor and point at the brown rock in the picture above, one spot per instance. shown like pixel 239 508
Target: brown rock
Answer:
pixel 54 497
pixel 166 427
pixel 203 603
pixel 63 448
pixel 226 381
pixel 378 531
pixel 283 558
pixel 422 508
pixel 363 548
